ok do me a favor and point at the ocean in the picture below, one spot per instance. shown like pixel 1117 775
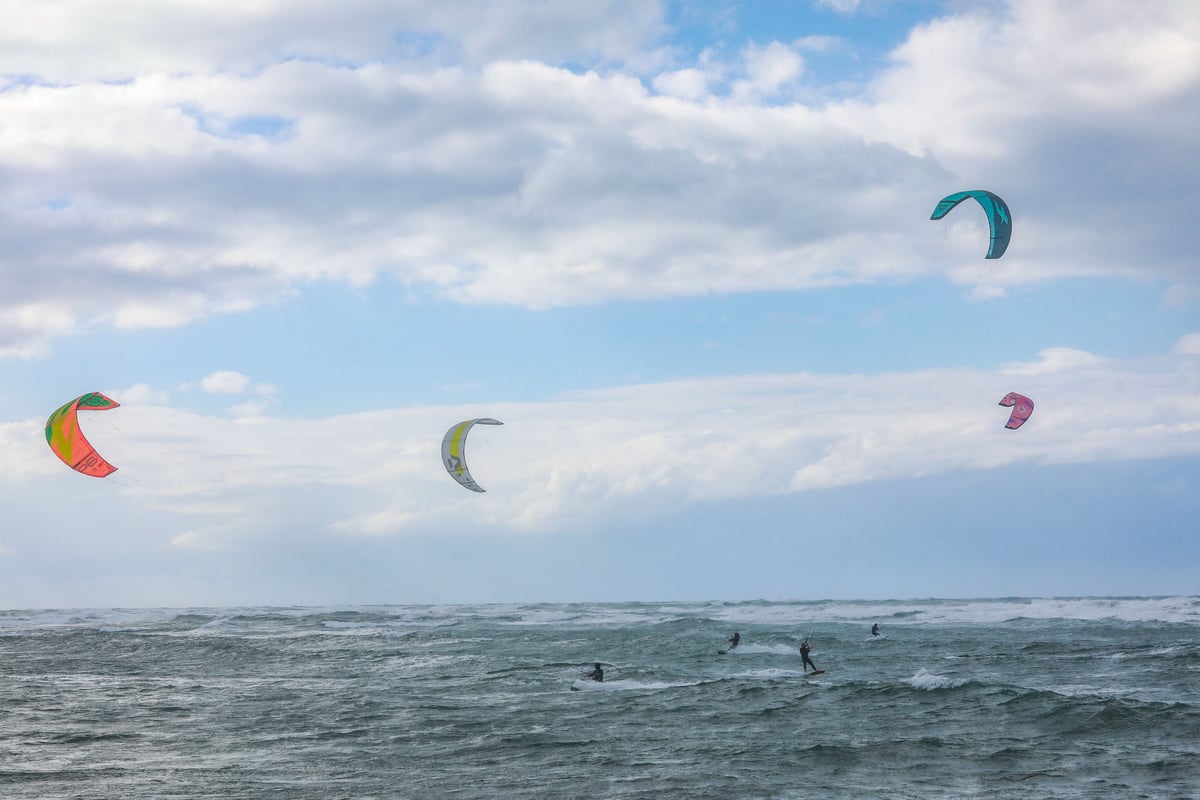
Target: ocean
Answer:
pixel 991 698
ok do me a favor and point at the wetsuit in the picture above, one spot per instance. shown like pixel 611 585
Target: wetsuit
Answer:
pixel 733 640
pixel 807 662
pixel 875 629
pixel 598 674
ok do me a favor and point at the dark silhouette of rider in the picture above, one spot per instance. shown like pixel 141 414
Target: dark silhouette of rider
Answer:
pixel 805 649
pixel 875 629
pixel 733 640
pixel 597 674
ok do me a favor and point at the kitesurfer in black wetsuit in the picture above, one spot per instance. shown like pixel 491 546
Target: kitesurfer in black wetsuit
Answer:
pixel 805 649
pixel 733 640
pixel 596 674
pixel 875 629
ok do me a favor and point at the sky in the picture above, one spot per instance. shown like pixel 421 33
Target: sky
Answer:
pixel 681 249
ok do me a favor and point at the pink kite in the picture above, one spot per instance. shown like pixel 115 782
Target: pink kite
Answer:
pixel 1022 408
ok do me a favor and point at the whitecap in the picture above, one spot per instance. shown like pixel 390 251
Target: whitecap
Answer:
pixel 928 681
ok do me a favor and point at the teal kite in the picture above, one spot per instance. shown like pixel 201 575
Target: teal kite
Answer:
pixel 999 217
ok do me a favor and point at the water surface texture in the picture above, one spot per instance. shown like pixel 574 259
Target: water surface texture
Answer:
pixel 1012 698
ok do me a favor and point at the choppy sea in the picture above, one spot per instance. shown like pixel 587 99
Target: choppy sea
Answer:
pixel 1006 698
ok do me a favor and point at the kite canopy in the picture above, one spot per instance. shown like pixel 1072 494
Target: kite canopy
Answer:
pixel 67 440
pixel 454 451
pixel 997 212
pixel 1022 408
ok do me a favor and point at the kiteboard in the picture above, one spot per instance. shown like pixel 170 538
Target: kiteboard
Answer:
pixel 722 652
pixel 816 672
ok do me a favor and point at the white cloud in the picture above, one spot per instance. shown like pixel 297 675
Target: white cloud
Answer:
pixel 230 382
pixel 252 408
pixel 597 456
pixel 689 84
pixel 1055 360
pixel 844 6
pixel 224 156
pixel 768 70
pixel 1188 345
pixel 23 450
pixel 225 382
pixel 25 329
pixel 820 44
pixel 1179 295
pixel 62 42
pixel 139 394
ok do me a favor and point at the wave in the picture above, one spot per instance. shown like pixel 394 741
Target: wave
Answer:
pixel 763 649
pixel 771 674
pixel 1184 610
pixel 928 681
pixel 921 611
pixel 620 685
pixel 981 611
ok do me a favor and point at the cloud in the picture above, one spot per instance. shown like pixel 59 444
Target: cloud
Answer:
pixel 140 394
pixel 252 408
pixel 1080 124
pixel 230 382
pixel 1055 359
pixel 59 43
pixel 225 382
pixel 768 70
pixel 597 457
pixel 26 330
pixel 513 153
pixel 820 44
pixel 688 84
pixel 1188 345
pixel 842 6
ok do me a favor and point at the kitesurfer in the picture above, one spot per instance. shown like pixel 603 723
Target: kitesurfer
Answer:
pixel 597 674
pixel 805 649
pixel 875 629
pixel 733 640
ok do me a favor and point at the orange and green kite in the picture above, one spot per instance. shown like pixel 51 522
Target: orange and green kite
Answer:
pixel 67 440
